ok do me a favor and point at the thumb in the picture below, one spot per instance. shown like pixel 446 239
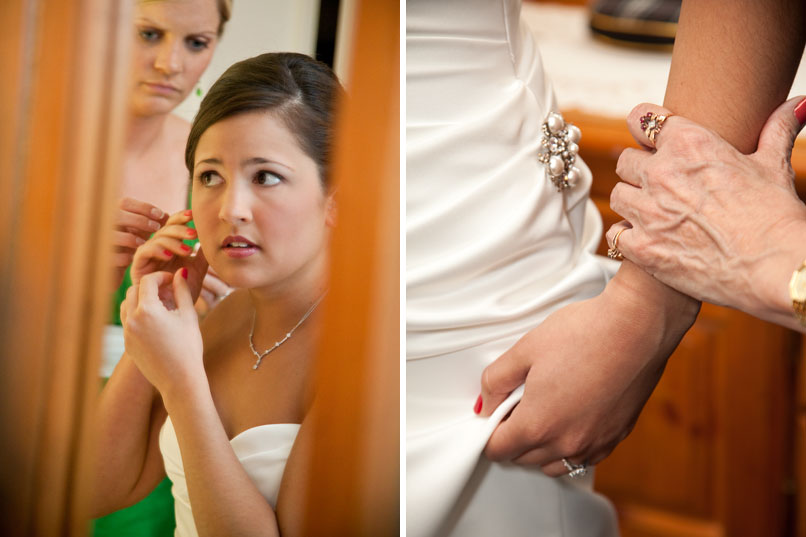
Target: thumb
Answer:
pixel 501 377
pixel 778 135
pixel 184 300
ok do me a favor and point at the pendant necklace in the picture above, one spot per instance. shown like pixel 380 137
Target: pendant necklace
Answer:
pixel 261 355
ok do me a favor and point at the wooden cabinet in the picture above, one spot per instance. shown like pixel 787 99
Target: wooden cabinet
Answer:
pixel 714 452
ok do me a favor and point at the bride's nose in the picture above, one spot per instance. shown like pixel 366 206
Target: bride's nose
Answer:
pixel 236 206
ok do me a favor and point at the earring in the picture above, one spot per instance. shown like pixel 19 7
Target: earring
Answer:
pixel 198 91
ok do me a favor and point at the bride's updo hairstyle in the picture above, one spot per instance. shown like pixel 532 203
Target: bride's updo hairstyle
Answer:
pixel 295 88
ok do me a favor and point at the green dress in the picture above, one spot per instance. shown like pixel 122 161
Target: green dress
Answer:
pixel 153 516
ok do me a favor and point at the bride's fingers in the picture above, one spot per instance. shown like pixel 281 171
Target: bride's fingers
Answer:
pixel 177 231
pixel 180 218
pixel 536 457
pixel 646 121
pixel 512 437
pixel 149 288
pixel 557 468
pixel 502 376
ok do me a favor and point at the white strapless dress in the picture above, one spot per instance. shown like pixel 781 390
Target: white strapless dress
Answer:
pixel 263 452
pixel 491 249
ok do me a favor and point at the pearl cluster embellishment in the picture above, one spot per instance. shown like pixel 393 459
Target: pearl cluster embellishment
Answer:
pixel 558 149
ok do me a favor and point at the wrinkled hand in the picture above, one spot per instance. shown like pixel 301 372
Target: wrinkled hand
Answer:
pixel 135 221
pixel 165 343
pixel 165 252
pixel 709 221
pixel 588 370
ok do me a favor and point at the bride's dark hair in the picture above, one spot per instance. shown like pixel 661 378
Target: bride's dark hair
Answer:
pixel 297 89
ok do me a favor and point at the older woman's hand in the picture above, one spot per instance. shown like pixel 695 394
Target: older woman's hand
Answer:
pixel 709 221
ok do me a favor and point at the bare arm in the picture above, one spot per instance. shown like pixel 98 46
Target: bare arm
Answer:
pixel 166 346
pixel 225 500
pixel 127 461
pixel 733 64
pixel 709 221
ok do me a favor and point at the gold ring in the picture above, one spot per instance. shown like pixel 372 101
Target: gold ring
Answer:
pixel 651 124
pixel 614 253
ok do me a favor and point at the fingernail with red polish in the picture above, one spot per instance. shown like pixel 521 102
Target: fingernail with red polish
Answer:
pixel 168 253
pixel 191 232
pixel 185 273
pixel 800 111
pixel 477 408
pixel 185 247
pixel 188 213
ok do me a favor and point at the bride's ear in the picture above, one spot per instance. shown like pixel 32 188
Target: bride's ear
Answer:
pixel 331 209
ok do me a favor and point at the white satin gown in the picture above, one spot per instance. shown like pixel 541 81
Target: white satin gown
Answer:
pixel 492 248
pixel 263 451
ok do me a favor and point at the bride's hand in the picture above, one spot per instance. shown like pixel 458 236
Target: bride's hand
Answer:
pixel 588 370
pixel 166 252
pixel 165 343
pixel 709 221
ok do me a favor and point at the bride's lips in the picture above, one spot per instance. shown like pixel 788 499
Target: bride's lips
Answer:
pixel 238 247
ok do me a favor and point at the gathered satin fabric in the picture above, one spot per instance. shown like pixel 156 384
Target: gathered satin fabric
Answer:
pixel 491 249
pixel 263 451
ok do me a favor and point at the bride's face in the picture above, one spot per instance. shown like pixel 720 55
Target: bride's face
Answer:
pixel 260 210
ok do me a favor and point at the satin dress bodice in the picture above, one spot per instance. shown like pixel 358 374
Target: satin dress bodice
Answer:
pixel 492 248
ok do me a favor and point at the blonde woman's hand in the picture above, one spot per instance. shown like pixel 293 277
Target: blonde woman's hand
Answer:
pixel 165 252
pixel 135 221
pixel 162 336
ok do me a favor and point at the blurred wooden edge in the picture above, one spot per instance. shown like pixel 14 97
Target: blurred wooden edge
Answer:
pixel 354 468
pixel 59 151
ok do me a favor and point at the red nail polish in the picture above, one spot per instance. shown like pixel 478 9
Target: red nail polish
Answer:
pixel 168 253
pixel 191 232
pixel 185 273
pixel 188 213
pixel 800 111
pixel 477 408
pixel 185 247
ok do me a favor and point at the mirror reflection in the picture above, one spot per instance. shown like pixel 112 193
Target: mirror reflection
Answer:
pixel 217 279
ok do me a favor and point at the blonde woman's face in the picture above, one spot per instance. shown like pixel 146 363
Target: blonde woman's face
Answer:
pixel 173 45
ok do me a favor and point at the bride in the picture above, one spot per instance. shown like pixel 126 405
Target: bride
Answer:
pixel 218 406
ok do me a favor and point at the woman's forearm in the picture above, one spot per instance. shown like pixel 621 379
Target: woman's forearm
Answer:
pixel 224 499
pixel 727 82
pixel 733 64
pixel 126 463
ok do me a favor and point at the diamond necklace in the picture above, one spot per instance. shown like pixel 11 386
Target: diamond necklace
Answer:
pixel 261 355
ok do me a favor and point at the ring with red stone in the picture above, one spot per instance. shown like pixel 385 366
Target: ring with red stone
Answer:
pixel 651 124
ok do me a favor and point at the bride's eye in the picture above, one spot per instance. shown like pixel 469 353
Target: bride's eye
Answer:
pixel 209 178
pixel 267 178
